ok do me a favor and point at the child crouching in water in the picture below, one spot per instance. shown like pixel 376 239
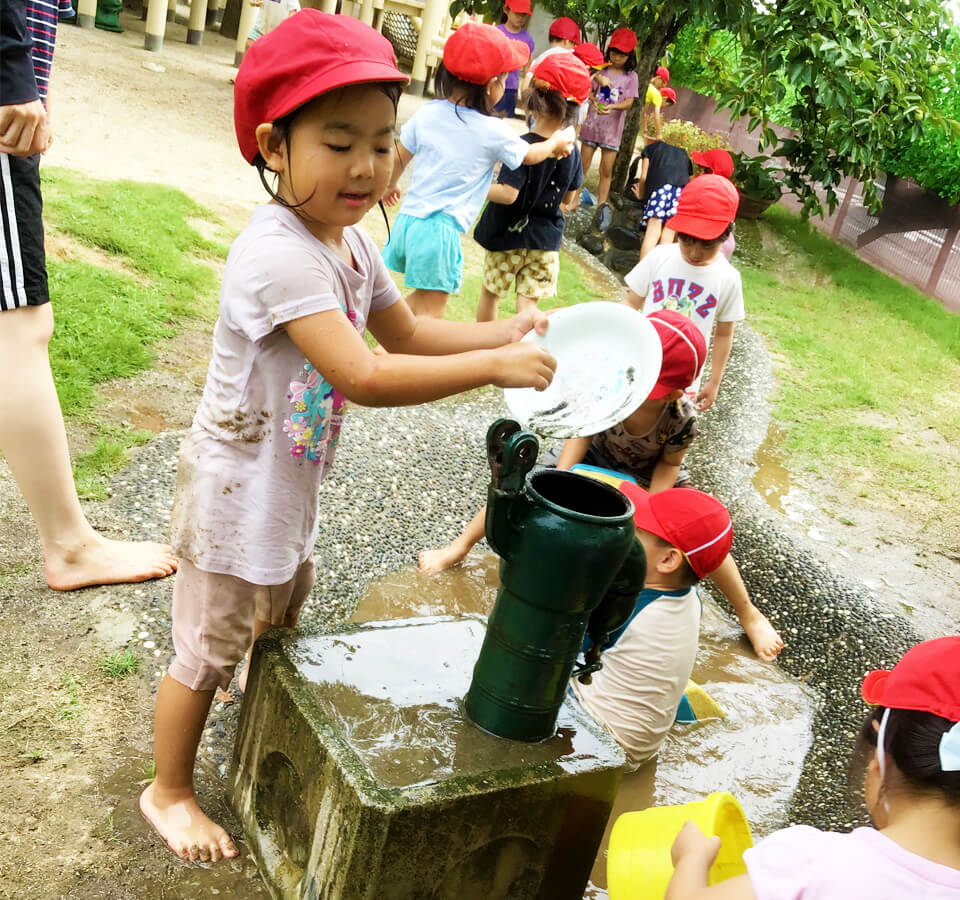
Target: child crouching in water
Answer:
pixel 649 445
pixel 457 143
pixel 911 790
pixel 315 104
pixel 522 226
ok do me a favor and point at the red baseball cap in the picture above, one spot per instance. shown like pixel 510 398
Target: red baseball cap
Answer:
pixel 476 53
pixel 590 54
pixel 707 205
pixel 684 351
pixel 664 73
pixel 717 161
pixel 623 39
pixel 519 6
pixel 697 524
pixel 668 94
pixel 927 679
pixel 565 29
pixel 306 55
pixel 565 73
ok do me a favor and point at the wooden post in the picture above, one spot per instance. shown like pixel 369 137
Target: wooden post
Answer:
pixel 248 18
pixel 86 13
pixel 844 206
pixel 156 25
pixel 430 21
pixel 198 20
pixel 949 240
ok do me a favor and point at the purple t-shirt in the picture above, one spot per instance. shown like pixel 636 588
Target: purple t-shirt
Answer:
pixel 605 130
pixel 802 863
pixel 513 79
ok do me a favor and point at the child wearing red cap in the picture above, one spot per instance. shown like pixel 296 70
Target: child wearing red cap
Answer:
pixel 653 101
pixel 513 23
pixel 693 277
pixel 686 535
pixel 314 104
pixel 456 143
pixel 609 102
pixel 911 790
pixel 718 162
pixel 521 228
pixel 648 446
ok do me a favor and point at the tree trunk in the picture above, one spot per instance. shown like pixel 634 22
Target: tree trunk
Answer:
pixel 649 51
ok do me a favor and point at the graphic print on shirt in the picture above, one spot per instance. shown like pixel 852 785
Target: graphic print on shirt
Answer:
pixel 607 94
pixel 314 427
pixel 684 296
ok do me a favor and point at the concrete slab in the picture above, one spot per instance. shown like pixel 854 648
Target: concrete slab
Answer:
pixel 356 774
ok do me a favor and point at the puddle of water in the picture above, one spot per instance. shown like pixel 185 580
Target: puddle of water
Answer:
pixel 228 878
pixel 756 753
pixel 396 691
pixel 772 479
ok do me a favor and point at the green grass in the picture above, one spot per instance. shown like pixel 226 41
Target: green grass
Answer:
pixel 867 362
pixel 72 706
pixel 120 664
pixel 156 272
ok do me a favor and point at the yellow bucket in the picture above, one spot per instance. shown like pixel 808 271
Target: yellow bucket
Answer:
pixel 638 859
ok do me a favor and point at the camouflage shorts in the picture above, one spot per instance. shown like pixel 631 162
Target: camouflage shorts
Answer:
pixel 533 272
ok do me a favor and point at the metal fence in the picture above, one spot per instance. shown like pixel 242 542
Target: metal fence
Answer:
pixel 914 237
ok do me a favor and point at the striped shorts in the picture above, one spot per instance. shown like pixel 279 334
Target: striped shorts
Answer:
pixel 23 270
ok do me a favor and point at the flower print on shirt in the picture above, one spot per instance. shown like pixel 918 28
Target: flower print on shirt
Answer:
pixel 314 426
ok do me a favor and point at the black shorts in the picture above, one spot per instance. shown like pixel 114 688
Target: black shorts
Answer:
pixel 23 268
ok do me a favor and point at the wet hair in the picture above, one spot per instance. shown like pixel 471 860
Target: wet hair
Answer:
pixel 539 101
pixel 912 741
pixel 445 83
pixel 688 578
pixel 282 129
pixel 631 62
pixel 704 243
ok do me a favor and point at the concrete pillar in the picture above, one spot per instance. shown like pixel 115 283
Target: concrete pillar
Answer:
pixel 248 18
pixel 171 10
pixel 366 12
pixel 86 13
pixel 198 19
pixel 433 13
pixel 156 25
pixel 214 14
pixel 329 6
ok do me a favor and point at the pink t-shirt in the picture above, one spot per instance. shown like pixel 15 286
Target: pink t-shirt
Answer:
pixel 802 863
pixel 265 433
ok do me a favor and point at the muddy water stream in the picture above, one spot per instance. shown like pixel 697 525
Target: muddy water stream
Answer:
pixel 756 752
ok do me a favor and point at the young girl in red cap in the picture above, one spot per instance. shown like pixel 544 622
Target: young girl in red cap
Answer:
pixel 513 23
pixel 912 792
pixel 521 228
pixel 456 143
pixel 315 106
pixel 604 123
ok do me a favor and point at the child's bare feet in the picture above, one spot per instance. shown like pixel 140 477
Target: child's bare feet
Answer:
pixel 430 562
pixel 186 828
pixel 103 561
pixel 764 638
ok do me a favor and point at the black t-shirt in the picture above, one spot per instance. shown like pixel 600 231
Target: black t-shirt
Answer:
pixel 668 165
pixel 533 221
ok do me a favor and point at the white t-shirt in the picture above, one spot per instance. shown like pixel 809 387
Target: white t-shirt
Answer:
pixel 705 294
pixel 637 692
pixel 265 433
pixel 802 863
pixel 455 150
pixel 271 14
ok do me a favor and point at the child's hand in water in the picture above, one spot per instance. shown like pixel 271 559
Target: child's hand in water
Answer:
pixel 693 844
pixel 524 364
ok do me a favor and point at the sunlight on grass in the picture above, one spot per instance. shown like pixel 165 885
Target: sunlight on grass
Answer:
pixel 108 320
pixel 867 363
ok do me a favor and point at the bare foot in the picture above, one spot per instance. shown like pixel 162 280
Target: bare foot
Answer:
pixel 765 639
pixel 430 562
pixel 186 828
pixel 103 561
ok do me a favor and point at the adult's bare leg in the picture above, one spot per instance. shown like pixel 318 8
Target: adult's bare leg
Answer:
pixel 34 441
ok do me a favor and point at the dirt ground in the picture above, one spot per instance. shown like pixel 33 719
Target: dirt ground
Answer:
pixel 75 743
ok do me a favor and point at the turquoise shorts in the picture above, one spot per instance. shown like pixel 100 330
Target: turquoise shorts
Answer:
pixel 427 251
